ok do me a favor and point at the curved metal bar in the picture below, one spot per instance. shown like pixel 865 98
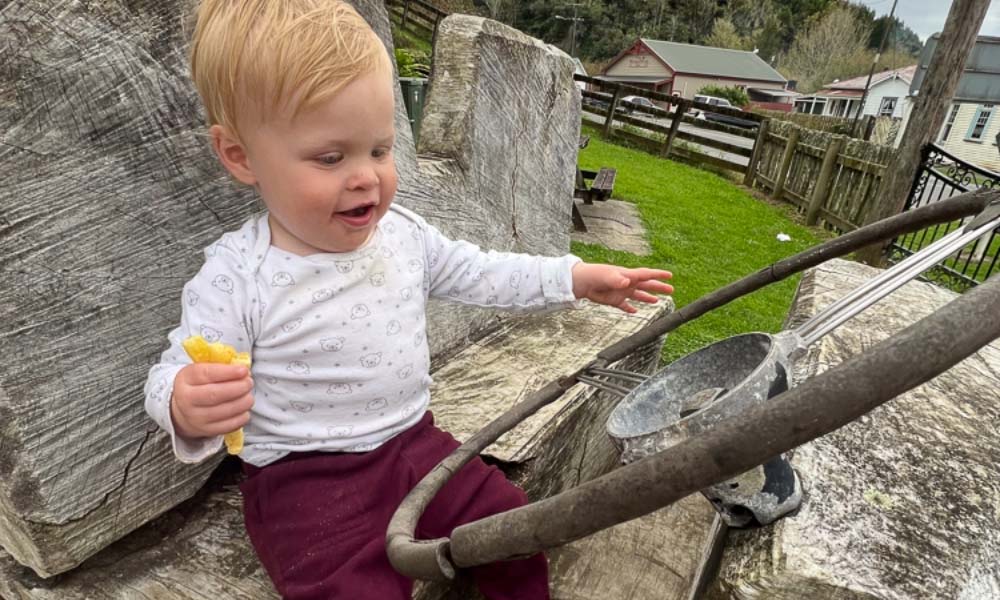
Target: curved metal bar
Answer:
pixel 417 558
pixel 816 407
pixel 428 559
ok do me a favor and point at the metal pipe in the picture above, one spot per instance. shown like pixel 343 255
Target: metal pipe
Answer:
pixel 816 407
pixel 607 386
pixel 621 375
pixel 415 558
pixel 887 282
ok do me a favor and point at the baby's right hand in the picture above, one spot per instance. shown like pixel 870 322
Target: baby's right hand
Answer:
pixel 211 399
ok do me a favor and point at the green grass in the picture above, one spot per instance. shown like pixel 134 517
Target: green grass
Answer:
pixel 708 232
pixel 401 38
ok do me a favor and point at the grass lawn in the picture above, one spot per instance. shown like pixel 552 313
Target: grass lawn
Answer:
pixel 708 232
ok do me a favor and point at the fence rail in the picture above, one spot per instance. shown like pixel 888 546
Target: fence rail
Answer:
pixel 657 130
pixel 416 17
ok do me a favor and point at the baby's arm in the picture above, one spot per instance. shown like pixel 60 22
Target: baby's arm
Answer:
pixel 198 403
pixel 460 271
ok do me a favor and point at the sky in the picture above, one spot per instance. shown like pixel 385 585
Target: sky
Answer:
pixel 926 17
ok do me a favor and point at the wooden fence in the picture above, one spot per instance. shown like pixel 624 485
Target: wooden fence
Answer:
pixel 829 177
pixel 416 17
pixel 863 130
pixel 658 130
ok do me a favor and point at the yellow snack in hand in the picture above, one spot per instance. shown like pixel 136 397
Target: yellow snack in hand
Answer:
pixel 201 351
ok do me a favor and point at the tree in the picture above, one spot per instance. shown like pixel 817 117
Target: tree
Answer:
pixel 901 38
pixel 736 96
pixel 758 23
pixel 724 35
pixel 833 48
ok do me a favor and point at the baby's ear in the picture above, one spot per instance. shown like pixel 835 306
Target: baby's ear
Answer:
pixel 232 153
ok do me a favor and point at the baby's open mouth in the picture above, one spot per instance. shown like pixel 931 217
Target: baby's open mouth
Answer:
pixel 360 211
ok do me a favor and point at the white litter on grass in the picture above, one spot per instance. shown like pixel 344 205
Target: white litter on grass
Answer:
pixel 784 237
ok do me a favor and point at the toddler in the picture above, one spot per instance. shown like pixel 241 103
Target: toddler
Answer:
pixel 327 290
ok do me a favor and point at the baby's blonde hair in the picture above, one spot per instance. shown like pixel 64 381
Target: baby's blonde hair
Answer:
pixel 267 56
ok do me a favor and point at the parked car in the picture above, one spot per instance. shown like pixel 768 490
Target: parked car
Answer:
pixel 721 118
pixel 600 103
pixel 625 106
pixel 630 103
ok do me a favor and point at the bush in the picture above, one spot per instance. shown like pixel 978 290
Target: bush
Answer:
pixel 412 63
pixel 735 95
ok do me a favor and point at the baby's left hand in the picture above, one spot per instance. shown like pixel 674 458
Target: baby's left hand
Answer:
pixel 615 286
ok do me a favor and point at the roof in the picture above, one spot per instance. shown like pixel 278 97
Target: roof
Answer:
pixel 719 62
pixel 980 82
pixel 774 93
pixel 858 83
pixel 634 78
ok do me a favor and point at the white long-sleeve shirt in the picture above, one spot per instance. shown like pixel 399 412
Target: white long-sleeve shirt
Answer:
pixel 338 341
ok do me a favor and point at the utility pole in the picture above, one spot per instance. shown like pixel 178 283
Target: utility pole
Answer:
pixel 574 19
pixel 933 100
pixel 871 72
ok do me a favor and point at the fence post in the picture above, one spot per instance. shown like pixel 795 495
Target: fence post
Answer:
pixel 679 110
pixel 825 181
pixel 786 162
pixel 868 125
pixel 612 106
pixel 406 9
pixel 434 34
pixel 758 151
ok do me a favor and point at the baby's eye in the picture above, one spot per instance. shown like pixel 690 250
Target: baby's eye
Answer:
pixel 329 159
pixel 381 152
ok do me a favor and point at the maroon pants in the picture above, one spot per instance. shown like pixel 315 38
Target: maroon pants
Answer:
pixel 318 520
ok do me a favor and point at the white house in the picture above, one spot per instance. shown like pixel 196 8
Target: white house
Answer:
pixel 886 96
pixel 971 127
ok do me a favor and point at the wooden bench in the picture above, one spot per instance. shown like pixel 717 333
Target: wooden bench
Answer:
pixel 602 184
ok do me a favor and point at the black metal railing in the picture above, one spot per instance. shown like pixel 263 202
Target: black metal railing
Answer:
pixel 942 175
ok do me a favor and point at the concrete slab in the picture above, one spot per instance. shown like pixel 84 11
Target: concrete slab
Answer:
pixel 613 224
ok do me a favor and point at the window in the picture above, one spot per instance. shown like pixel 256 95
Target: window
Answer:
pixel 979 123
pixel 888 106
pixel 950 122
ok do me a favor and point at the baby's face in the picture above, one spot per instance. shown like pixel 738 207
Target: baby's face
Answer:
pixel 328 175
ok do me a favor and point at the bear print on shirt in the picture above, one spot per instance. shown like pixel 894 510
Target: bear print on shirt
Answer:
pixel 334 344
pixel 282 279
pixel 210 334
pixel 340 431
pixel 292 325
pixel 322 295
pixel 223 284
pixel 339 389
pixel 376 404
pixel 298 367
